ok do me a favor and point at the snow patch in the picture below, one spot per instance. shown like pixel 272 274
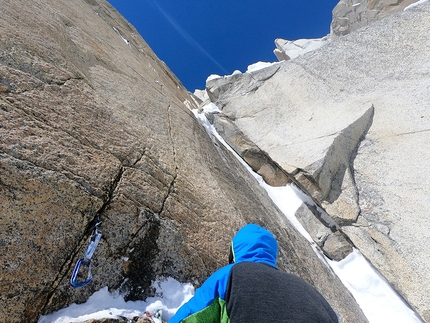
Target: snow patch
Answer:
pixel 296 48
pixel 258 66
pixel 376 297
pixel 211 108
pixel 213 77
pixel 251 68
pixel 102 304
pixel 201 94
pixel 125 40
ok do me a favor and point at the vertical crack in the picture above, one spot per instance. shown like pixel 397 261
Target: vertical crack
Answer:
pixel 66 267
pixel 169 116
pixel 112 189
pixel 175 175
pixel 139 158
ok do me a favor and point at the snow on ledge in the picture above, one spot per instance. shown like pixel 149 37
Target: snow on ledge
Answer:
pixel 259 66
pixel 211 108
pixel 213 77
pixel 251 68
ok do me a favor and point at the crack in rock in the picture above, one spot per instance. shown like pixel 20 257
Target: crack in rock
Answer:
pixel 68 264
pixel 172 183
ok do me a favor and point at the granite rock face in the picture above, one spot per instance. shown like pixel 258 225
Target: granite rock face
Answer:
pixel 93 123
pixel 349 15
pixel 350 121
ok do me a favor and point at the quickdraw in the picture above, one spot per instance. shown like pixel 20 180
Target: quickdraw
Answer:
pixel 81 275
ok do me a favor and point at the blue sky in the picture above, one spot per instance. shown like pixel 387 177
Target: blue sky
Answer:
pixel 197 38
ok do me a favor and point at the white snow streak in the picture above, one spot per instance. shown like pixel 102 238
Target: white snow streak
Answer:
pixel 125 40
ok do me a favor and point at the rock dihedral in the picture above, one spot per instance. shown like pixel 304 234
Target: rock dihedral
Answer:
pixel 350 122
pixel 92 122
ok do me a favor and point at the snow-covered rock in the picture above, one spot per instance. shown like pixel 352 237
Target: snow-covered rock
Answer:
pixel 290 49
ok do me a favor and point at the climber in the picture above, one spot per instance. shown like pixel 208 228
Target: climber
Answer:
pixel 252 289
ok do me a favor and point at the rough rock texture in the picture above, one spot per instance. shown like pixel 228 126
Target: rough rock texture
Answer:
pixel 351 122
pixel 290 49
pixel 349 15
pixel 324 231
pixel 93 123
pixel 257 159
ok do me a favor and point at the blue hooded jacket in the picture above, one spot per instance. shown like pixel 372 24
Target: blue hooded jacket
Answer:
pixel 252 289
pixel 252 243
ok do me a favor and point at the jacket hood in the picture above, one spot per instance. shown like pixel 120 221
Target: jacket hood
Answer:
pixel 255 244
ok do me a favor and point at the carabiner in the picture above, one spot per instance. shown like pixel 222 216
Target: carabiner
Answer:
pixel 79 272
pixel 83 265
pixel 92 245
